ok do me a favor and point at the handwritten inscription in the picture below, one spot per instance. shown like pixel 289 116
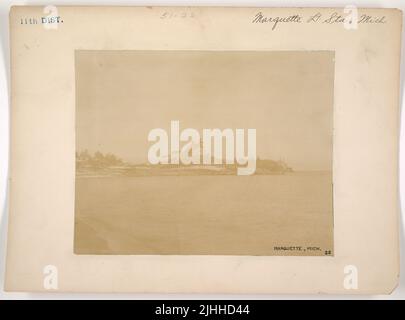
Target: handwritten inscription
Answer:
pixel 175 14
pixel 274 21
pixel 333 18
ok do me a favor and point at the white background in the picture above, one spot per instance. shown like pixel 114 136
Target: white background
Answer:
pixel 399 293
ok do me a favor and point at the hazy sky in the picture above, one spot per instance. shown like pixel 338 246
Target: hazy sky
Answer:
pixel 286 96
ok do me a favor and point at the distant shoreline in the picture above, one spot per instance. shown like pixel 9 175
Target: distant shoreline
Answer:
pixel 85 175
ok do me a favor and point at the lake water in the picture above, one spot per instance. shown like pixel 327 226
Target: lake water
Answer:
pixel 218 215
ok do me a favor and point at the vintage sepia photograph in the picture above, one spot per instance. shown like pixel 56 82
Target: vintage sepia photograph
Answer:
pixel 204 153
pixel 209 152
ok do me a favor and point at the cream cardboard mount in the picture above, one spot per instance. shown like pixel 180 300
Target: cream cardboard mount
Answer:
pixel 130 127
